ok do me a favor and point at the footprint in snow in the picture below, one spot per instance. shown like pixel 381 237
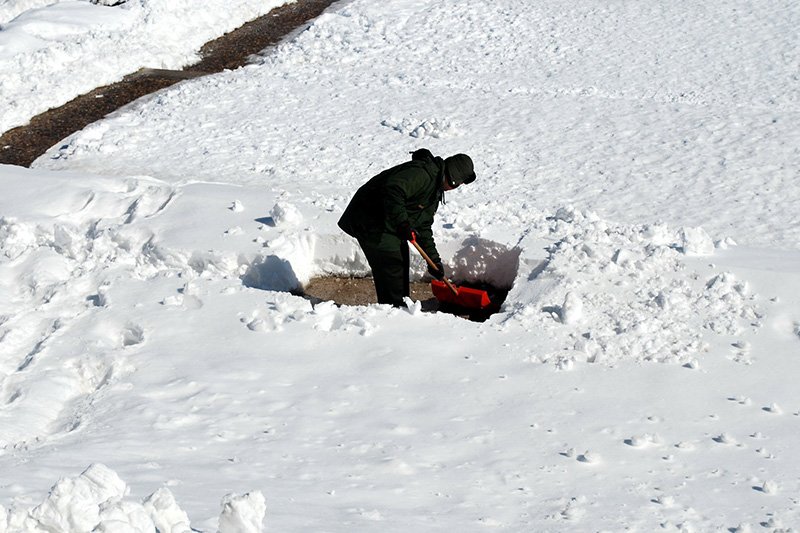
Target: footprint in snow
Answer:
pixel 768 487
pixel 726 438
pixel 692 364
pixel 773 408
pixel 16 395
pixel 742 345
pixel 132 335
pixel 572 511
pixel 741 400
pixel 763 452
pixel 589 457
pixel 773 524
pixel 236 230
pixel 665 500
pixel 97 300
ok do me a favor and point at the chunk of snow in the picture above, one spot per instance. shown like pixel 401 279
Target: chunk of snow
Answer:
pixel 242 513
pixel 572 309
pixel 74 503
pixel 165 513
pixel 696 242
pixel 285 214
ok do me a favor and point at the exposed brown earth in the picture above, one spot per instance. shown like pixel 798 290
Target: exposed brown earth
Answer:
pixel 23 145
pixel 360 291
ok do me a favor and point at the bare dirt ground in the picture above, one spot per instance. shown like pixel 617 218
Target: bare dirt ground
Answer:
pixel 22 146
pixel 360 291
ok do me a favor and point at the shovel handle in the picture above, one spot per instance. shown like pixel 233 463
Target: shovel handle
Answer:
pixel 433 266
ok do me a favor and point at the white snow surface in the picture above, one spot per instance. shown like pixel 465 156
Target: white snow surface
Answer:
pixel 637 181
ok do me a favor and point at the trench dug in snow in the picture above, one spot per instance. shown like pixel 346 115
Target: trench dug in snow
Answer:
pixel 361 291
pixel 341 274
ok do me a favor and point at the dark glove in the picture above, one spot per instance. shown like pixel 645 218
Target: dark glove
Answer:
pixel 438 272
pixel 405 232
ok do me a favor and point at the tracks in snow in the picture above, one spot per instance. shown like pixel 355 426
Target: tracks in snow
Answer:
pixel 62 341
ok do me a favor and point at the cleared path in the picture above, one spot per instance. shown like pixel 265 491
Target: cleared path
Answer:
pixel 22 146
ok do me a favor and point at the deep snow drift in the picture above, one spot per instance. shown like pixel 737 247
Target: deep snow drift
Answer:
pixel 637 199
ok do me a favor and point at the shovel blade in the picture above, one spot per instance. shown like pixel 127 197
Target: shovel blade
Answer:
pixel 466 297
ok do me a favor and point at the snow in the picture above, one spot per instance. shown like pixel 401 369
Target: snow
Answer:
pixel 242 514
pixel 636 194
pixel 52 51
pixel 94 501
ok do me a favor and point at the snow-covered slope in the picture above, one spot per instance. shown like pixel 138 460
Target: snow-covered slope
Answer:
pixel 645 112
pixel 640 375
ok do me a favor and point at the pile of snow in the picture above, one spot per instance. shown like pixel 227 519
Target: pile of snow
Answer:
pixel 430 128
pixel 486 261
pixel 286 214
pixel 52 51
pixel 95 501
pixel 616 292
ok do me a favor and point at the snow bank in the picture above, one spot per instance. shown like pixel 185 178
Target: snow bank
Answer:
pixel 95 501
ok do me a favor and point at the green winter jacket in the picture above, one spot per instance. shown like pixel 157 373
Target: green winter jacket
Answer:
pixel 409 192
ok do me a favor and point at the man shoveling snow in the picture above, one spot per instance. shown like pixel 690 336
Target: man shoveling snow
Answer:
pixel 399 205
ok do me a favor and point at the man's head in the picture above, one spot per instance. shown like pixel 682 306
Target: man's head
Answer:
pixel 458 169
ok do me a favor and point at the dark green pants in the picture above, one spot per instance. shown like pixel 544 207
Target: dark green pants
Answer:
pixel 389 262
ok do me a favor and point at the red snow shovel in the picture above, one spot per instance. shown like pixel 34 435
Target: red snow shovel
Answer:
pixel 446 292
